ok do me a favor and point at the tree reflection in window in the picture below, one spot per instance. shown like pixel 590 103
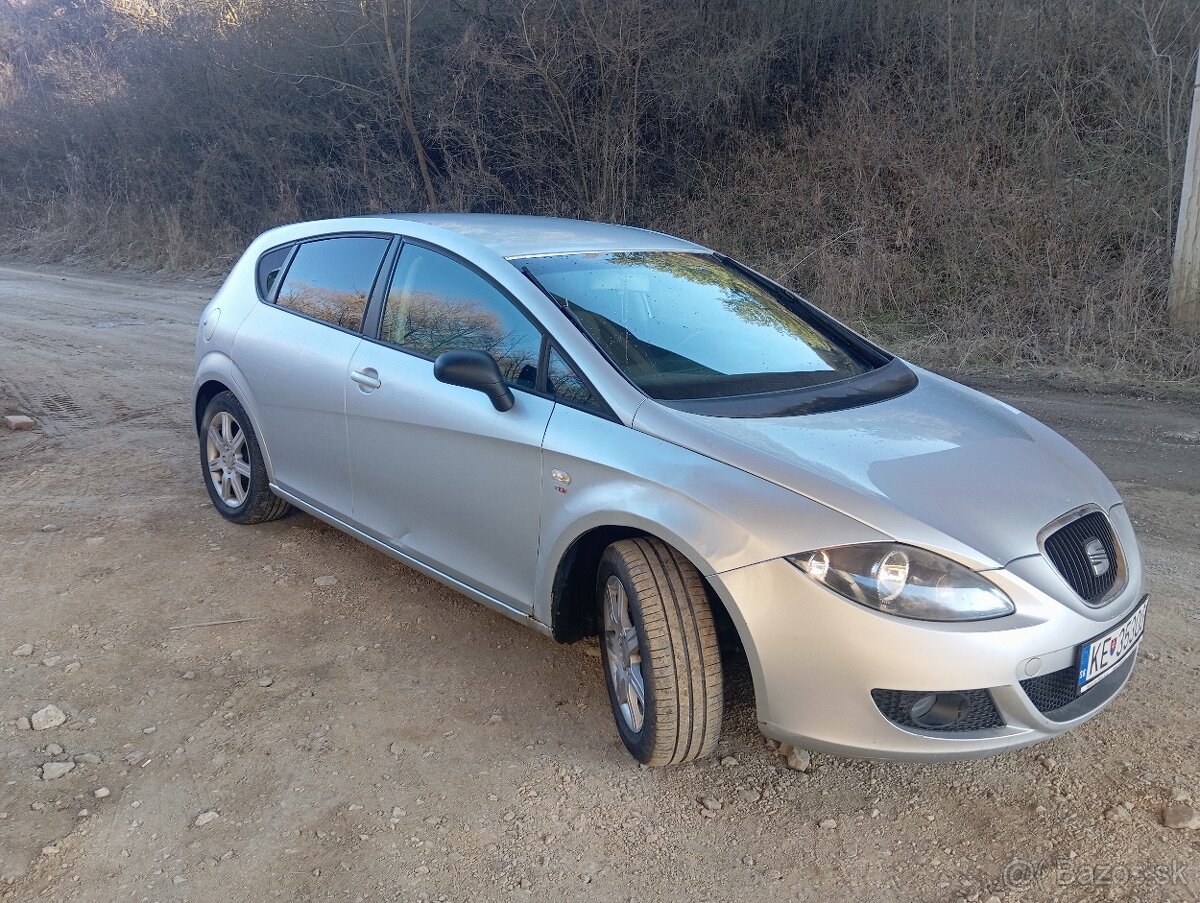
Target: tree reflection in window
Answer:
pixel 436 304
pixel 330 279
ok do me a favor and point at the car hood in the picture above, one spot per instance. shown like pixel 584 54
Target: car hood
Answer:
pixel 942 466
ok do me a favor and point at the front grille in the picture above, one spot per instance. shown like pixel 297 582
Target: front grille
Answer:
pixel 896 706
pixel 1052 691
pixel 1067 549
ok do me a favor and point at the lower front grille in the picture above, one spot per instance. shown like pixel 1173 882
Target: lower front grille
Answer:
pixel 1052 691
pixel 1086 554
pixel 896 706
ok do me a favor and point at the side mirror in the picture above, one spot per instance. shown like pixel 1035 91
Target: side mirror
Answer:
pixel 474 370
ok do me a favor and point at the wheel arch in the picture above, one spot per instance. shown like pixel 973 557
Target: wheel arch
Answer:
pixel 217 373
pixel 573 616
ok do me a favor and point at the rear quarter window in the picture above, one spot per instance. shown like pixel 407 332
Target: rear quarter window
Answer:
pixel 269 266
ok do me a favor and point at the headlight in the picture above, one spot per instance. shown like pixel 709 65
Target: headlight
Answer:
pixel 905 581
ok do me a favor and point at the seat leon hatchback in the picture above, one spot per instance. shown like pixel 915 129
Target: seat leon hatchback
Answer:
pixel 603 431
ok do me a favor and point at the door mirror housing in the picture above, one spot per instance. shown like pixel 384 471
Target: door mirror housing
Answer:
pixel 474 370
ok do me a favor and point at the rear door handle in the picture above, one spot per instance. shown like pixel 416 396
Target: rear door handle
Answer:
pixel 367 379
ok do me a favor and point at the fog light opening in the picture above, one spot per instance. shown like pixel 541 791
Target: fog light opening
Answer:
pixel 938 711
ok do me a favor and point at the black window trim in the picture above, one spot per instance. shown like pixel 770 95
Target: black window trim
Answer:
pixel 273 296
pixel 373 322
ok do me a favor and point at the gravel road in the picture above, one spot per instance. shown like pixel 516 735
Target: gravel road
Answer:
pixel 366 734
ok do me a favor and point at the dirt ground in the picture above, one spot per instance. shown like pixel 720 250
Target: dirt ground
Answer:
pixel 378 737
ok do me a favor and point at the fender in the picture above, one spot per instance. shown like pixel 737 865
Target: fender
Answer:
pixel 216 365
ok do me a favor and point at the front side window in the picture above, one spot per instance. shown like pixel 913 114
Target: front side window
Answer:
pixel 684 325
pixel 330 279
pixel 436 304
pixel 565 385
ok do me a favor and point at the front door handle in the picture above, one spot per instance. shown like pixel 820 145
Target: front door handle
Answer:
pixel 368 379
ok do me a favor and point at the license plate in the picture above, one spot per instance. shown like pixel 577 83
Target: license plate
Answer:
pixel 1099 657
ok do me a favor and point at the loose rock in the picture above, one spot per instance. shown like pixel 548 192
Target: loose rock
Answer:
pixel 711 803
pixel 24 650
pixel 828 823
pixel 796 759
pixel 23 723
pixel 205 818
pixel 53 770
pixel 327 580
pixel 87 758
pixel 1180 816
pixel 72 667
pixel 44 719
pixel 265 682
pixel 101 792
pixel 19 422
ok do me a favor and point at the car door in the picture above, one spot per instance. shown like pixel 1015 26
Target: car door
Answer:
pixel 438 472
pixel 294 352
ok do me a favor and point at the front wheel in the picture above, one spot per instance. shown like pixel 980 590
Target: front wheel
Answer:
pixel 662 662
pixel 234 470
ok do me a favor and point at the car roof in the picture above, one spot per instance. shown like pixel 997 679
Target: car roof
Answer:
pixel 527 236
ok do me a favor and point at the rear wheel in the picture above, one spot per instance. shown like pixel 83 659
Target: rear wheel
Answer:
pixel 661 659
pixel 234 471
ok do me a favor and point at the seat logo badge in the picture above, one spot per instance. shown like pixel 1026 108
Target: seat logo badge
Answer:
pixel 1097 557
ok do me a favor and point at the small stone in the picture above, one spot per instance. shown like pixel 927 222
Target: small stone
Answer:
pixel 1180 816
pixel 828 823
pixel 395 749
pixel 23 651
pixel 992 899
pixel 23 723
pixel 397 812
pixel 729 761
pixel 19 422
pixel 265 682
pixel 54 770
pixel 51 528
pixel 51 849
pixel 205 818
pixel 327 580
pixel 53 749
pixel 1049 763
pixel 711 803
pixel 750 796
pixel 217 670
pixel 495 719
pixel 51 661
pixel 87 758
pixel 1117 814
pixel 178 879
pixel 72 667
pixel 44 719
pixel 422 870
pixel 747 860
pixel 101 792
pixel 796 759
pixel 188 675
pixel 149 730
pixel 774 875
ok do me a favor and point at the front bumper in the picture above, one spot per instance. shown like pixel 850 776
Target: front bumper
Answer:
pixel 816 658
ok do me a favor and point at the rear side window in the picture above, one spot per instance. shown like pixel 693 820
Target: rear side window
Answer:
pixel 269 266
pixel 330 279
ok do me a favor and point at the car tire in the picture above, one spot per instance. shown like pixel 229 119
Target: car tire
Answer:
pixel 233 466
pixel 659 648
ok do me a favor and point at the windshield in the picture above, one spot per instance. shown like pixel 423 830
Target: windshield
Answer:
pixel 689 325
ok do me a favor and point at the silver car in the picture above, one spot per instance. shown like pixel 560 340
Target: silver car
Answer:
pixel 600 430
